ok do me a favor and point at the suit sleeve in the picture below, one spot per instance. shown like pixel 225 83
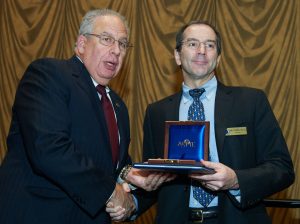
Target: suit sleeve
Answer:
pixel 146 199
pixel 41 106
pixel 272 169
pixel 148 147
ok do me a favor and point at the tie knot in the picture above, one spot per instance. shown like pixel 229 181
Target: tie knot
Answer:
pixel 101 90
pixel 196 93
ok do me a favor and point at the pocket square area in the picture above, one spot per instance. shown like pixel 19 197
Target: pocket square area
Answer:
pixel 236 131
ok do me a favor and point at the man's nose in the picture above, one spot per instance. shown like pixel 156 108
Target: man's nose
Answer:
pixel 201 49
pixel 115 48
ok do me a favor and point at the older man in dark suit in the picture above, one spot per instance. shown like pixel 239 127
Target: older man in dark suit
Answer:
pixel 69 134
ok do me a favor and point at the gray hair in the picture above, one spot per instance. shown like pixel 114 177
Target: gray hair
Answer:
pixel 87 23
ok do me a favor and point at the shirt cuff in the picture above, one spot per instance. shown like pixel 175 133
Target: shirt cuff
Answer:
pixel 134 216
pixel 121 181
pixel 236 194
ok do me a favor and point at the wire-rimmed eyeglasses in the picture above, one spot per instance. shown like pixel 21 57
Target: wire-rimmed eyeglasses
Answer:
pixel 194 44
pixel 109 41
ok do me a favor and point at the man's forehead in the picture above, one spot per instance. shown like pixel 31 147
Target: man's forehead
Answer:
pixel 110 24
pixel 202 31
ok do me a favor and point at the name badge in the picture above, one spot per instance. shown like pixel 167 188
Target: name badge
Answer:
pixel 236 131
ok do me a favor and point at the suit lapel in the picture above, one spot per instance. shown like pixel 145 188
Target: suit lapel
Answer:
pixel 223 107
pixel 172 107
pixel 84 81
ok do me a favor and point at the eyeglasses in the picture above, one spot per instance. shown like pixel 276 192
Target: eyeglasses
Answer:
pixel 109 41
pixel 195 44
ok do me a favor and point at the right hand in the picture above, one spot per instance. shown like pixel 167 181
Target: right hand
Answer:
pixel 148 180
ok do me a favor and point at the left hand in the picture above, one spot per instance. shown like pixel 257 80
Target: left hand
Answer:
pixel 224 179
pixel 121 204
pixel 117 213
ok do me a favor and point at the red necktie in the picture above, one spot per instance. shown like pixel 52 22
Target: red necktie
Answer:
pixel 111 123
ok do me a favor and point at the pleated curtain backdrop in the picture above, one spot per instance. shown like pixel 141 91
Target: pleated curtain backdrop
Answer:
pixel 260 49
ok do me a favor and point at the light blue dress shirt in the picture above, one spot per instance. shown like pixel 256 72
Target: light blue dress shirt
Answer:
pixel 208 100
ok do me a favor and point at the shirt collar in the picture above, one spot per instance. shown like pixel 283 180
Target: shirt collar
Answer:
pixel 210 87
pixel 96 84
pixel 79 59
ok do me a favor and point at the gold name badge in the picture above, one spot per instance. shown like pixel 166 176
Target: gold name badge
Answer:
pixel 236 131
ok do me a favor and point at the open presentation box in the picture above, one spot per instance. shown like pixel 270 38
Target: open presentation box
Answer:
pixel 186 143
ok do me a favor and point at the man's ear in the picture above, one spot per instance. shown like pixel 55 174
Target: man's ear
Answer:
pixel 81 43
pixel 177 57
pixel 218 60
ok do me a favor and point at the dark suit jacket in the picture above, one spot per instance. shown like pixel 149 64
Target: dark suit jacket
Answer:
pixel 59 165
pixel 260 159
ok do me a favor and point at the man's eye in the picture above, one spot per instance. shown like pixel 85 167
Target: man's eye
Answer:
pixel 107 39
pixel 123 45
pixel 192 44
pixel 210 45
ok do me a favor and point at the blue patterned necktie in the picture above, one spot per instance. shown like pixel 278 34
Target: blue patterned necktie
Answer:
pixel 196 113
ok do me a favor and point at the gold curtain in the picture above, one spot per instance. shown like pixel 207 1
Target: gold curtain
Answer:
pixel 260 49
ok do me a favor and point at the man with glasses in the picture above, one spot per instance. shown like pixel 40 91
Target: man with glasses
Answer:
pixel 247 150
pixel 69 135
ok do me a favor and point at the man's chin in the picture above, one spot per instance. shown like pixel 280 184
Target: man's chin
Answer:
pixel 108 74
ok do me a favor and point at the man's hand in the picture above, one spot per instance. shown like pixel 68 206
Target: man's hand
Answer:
pixel 121 205
pixel 148 180
pixel 224 178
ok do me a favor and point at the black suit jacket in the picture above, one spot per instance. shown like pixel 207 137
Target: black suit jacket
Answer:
pixel 59 168
pixel 260 159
